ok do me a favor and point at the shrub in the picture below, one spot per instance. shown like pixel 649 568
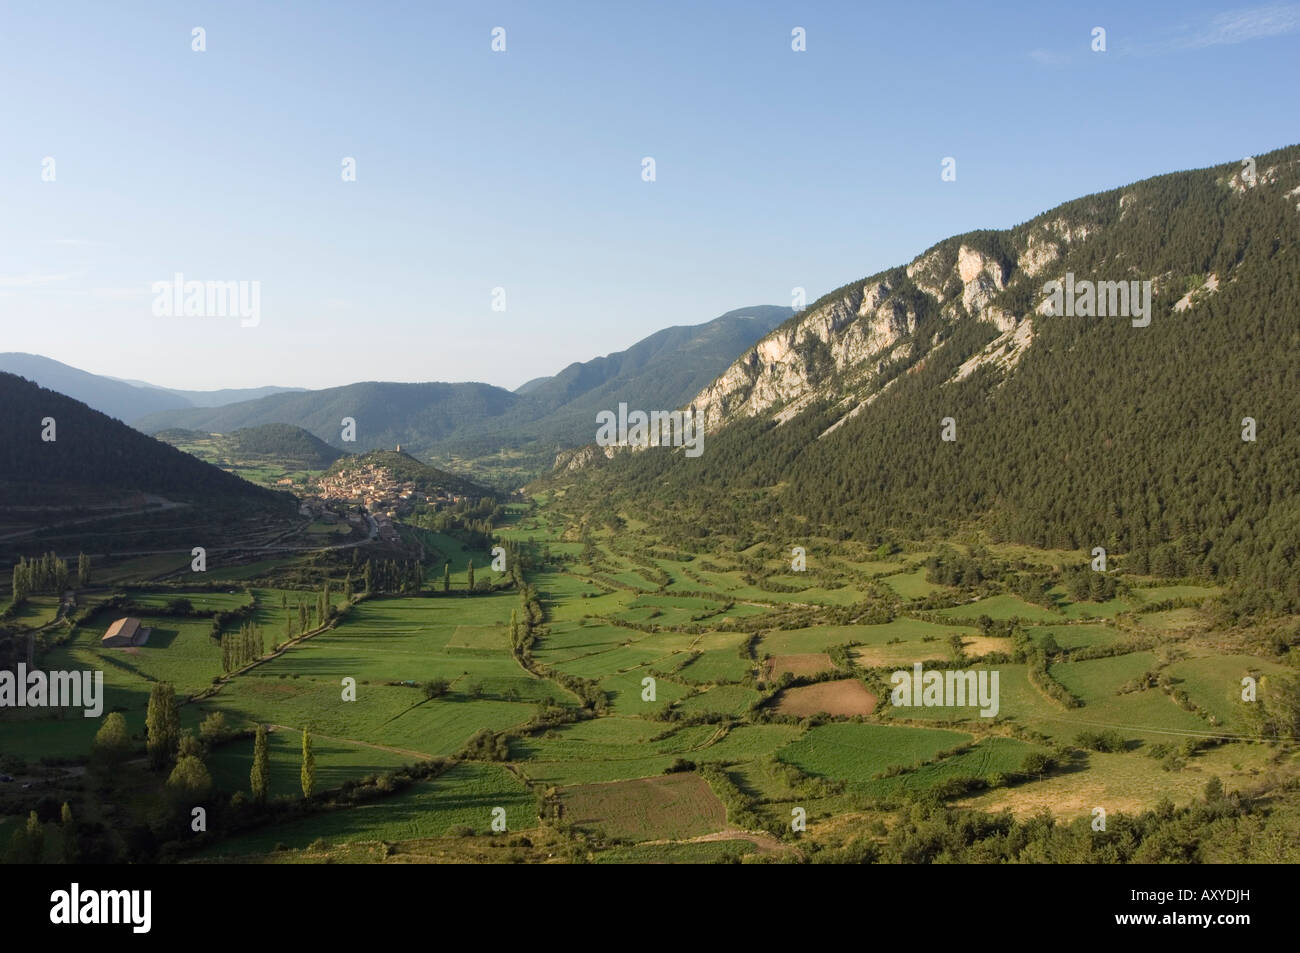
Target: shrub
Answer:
pixel 1108 741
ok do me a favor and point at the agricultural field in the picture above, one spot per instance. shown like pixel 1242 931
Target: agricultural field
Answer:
pixel 721 699
pixel 843 697
pixel 912 585
pixel 685 852
pixel 809 663
pixel 1076 636
pixel 464 797
pixel 905 641
pixel 338 761
pixel 1001 608
pixel 667 707
pixel 672 806
pixel 986 760
pixel 1213 683
pixel 857 752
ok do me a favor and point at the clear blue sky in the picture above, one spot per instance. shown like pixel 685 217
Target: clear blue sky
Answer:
pixel 522 169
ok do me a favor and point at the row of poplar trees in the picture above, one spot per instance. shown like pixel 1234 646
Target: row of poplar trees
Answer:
pixel 46 573
pixel 260 776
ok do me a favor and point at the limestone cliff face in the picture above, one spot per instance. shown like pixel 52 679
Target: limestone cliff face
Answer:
pixel 837 347
pixel 843 347
pixel 863 322
pixel 583 457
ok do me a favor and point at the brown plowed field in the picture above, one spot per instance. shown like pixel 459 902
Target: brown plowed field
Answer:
pixel 846 696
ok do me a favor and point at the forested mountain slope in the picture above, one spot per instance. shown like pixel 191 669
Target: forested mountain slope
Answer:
pixel 56 451
pixel 1071 431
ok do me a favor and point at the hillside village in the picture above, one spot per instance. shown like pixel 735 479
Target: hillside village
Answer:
pixel 375 490
pixel 379 491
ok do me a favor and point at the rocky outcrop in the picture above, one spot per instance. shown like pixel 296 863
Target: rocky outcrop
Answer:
pixel 583 457
pixel 1003 352
pixel 1196 295
pixel 848 340
pixel 832 338
pixel 1039 253
pixel 848 346
pixel 982 277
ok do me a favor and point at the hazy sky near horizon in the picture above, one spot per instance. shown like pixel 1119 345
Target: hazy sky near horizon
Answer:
pixel 522 169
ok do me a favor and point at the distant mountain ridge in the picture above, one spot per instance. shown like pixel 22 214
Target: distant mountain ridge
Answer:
pixel 663 364
pixel 384 413
pixel 127 401
pixel 217 398
pixel 468 420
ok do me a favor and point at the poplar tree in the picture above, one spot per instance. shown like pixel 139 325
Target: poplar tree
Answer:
pixel 446 578
pixel 21 585
pixel 162 723
pixel 260 777
pixel 308 765
pixel 35 837
pixel 69 834
pixel 470 587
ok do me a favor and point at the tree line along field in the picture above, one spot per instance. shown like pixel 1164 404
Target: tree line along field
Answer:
pixel 734 693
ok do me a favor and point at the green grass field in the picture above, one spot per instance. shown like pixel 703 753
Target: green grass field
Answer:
pixel 856 752
pixel 464 796
pixel 1214 683
pixel 336 762
pixel 990 757
pixel 698 852
pixel 677 805
pixel 1000 608
pixel 912 585
pixel 1076 636
pixel 724 699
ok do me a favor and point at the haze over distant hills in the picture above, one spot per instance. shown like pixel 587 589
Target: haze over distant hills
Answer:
pixel 465 420
pixel 386 413
pixel 216 398
pixel 126 400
